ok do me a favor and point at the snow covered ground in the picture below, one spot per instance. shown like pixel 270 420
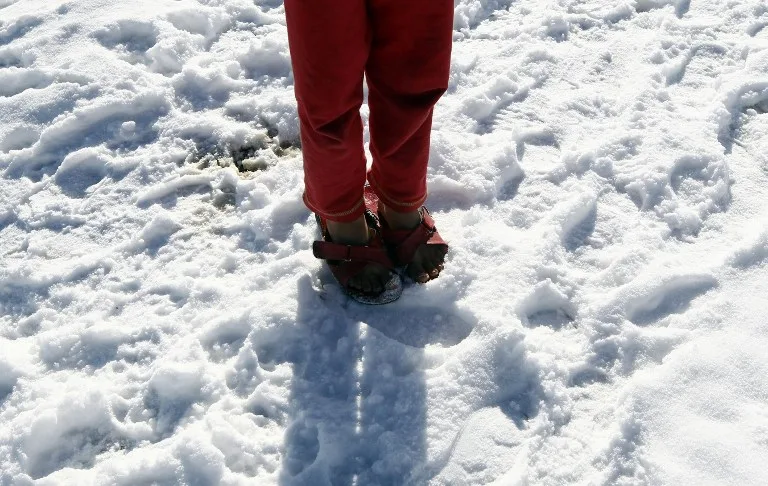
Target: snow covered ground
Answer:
pixel 600 168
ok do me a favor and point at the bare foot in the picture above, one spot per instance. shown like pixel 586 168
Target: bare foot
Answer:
pixel 373 279
pixel 428 261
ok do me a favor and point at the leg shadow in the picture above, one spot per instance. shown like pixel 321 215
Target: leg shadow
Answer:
pixel 393 403
pixel 321 436
pixel 392 412
pixel 359 394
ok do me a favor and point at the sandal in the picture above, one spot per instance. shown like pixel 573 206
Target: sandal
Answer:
pixel 346 261
pixel 403 244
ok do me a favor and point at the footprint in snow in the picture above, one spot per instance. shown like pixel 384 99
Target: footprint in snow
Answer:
pixel 10 59
pixel 13 82
pixel 578 222
pixel 681 6
pixel 586 375
pixel 697 67
pixel 470 14
pixel 90 350
pixel 17 28
pixel 124 121
pixel 756 28
pixel 303 447
pixel 539 143
pixel 747 101
pixel 644 304
pixel 489 104
pixel 130 39
pixel 81 170
pixel 76 449
pixel 546 306
pixel 670 296
pixel 701 181
pixel 224 340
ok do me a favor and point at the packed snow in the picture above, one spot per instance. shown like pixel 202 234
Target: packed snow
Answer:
pixel 599 167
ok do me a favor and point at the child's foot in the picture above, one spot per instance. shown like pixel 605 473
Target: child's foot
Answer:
pixel 428 261
pixel 372 280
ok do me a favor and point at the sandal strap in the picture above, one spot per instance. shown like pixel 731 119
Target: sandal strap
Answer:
pixel 407 242
pixel 373 253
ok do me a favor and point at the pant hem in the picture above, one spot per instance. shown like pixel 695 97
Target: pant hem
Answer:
pixel 339 217
pixel 394 203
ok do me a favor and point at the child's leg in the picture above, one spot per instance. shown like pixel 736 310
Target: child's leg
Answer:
pixel 407 72
pixel 329 43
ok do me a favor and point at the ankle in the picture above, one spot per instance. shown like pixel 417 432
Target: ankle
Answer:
pixel 397 220
pixel 353 233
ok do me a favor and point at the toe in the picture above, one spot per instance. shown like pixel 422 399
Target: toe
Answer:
pixel 355 284
pixel 383 280
pixel 440 256
pixel 366 285
pixel 435 261
pixel 417 273
pixel 431 265
pixel 376 284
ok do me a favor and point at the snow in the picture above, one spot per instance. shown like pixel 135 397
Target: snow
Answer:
pixel 599 168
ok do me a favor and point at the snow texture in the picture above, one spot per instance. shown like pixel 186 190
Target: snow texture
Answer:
pixel 599 167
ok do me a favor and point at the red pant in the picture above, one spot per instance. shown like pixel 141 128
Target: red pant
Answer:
pixel 404 48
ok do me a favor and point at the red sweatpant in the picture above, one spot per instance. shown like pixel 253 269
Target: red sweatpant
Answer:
pixel 404 48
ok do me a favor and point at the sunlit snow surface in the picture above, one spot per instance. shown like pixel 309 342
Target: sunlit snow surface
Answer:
pixel 599 167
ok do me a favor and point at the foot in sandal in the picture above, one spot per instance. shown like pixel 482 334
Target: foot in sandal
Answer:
pixel 359 260
pixel 414 241
pixel 373 277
